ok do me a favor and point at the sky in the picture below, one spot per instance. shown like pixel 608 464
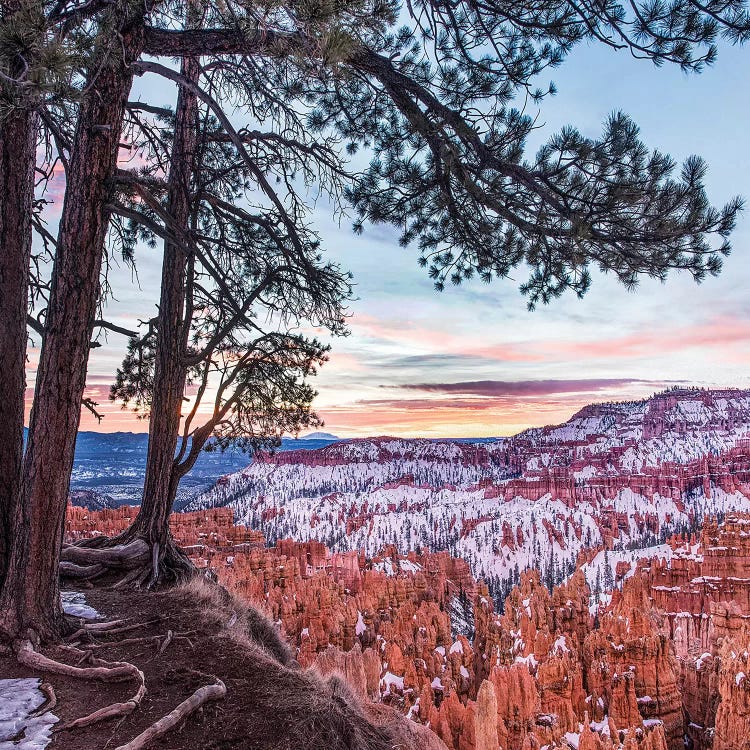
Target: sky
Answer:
pixel 472 361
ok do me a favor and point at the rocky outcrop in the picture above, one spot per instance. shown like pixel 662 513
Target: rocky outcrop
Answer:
pixel 701 593
pixel 732 727
pixel 389 626
pixel 631 664
pixel 210 531
pixel 417 635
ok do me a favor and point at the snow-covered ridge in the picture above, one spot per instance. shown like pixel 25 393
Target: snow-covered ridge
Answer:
pixel 630 472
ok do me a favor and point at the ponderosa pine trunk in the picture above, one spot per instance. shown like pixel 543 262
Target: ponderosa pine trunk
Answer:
pixel 30 597
pixel 170 372
pixel 18 134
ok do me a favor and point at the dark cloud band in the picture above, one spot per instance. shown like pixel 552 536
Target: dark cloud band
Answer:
pixel 521 388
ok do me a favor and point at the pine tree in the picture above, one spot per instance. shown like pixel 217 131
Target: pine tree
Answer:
pixel 434 102
pixel 609 580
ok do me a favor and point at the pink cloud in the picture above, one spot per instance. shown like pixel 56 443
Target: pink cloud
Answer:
pixel 409 336
pixel 715 333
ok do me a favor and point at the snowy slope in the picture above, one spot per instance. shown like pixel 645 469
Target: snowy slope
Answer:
pixel 631 472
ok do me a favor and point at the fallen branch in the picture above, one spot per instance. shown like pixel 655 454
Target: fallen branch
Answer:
pixel 159 728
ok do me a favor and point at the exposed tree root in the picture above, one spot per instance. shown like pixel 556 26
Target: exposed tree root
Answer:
pixel 95 542
pixel 91 562
pixel 143 563
pixel 186 708
pixel 80 572
pixel 113 711
pixel 51 699
pixel 86 656
pixel 103 671
pixel 132 577
pixel 102 627
pixel 145 639
pixel 89 630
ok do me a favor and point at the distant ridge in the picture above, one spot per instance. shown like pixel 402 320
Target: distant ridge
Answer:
pixel 623 475
pixel 319 436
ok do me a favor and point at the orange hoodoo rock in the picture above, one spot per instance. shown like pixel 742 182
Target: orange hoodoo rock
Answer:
pixel 732 730
pixel 703 596
pixel 631 664
pixel 544 672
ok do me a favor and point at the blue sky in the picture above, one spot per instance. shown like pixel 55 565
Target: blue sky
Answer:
pixel 472 361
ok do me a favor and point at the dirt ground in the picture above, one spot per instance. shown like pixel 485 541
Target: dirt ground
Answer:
pixel 266 706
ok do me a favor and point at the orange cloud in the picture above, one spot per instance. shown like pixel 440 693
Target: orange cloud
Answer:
pixel 410 336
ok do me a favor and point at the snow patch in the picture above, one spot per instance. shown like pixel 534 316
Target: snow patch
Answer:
pixel 18 699
pixel 74 604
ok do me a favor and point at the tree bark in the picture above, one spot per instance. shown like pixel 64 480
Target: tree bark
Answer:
pixel 18 133
pixel 18 136
pixel 30 597
pixel 173 328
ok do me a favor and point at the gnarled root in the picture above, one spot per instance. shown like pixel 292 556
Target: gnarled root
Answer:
pixel 186 708
pixel 91 629
pixel 118 671
pixel 113 711
pixel 100 670
pixel 91 562
pixel 162 641
pixel 142 563
pixel 80 572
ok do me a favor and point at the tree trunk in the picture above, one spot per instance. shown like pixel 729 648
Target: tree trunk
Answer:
pixel 18 132
pixel 162 477
pixel 18 135
pixel 30 597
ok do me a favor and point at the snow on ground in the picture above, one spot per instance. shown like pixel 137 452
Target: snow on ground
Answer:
pixel 596 570
pixel 74 604
pixel 630 556
pixel 18 729
pixel 480 501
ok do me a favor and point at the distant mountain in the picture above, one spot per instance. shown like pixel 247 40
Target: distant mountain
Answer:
pixel 112 465
pixel 91 499
pixel 320 436
pixel 630 472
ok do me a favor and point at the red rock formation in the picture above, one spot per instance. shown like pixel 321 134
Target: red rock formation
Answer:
pixel 542 672
pixel 732 730
pixel 630 663
pixel 213 528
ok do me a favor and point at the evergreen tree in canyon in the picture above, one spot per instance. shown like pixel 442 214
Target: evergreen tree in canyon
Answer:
pixel 34 511
pixel 436 104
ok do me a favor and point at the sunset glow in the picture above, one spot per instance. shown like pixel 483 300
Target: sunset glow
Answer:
pixel 472 360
